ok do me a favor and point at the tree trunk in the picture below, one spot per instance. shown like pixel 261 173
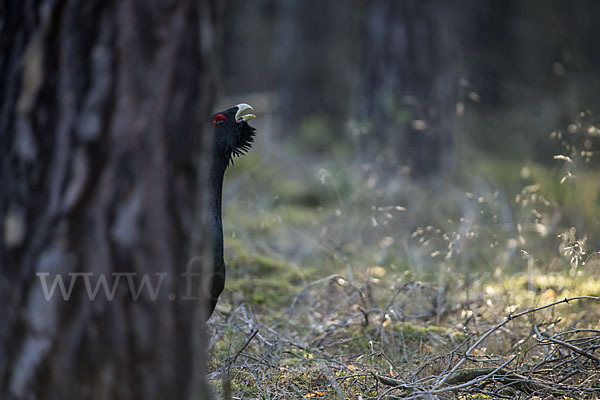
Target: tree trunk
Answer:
pixel 102 108
pixel 316 65
pixel 411 81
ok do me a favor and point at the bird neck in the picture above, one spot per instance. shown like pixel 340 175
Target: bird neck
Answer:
pixel 216 177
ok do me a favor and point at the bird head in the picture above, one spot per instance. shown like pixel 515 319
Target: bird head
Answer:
pixel 232 134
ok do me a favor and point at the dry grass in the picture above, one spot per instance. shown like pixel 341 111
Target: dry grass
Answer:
pixel 343 340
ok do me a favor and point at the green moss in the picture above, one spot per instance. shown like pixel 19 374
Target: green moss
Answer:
pixel 291 191
pixel 316 134
pixel 417 332
pixel 265 280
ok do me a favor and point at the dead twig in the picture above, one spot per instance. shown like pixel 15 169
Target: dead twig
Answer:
pixel 508 319
pixel 226 370
pixel 568 346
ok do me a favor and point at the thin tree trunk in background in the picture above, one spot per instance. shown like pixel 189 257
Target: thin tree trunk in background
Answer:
pixel 317 63
pixel 102 108
pixel 412 73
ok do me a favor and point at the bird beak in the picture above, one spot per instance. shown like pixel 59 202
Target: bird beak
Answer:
pixel 242 108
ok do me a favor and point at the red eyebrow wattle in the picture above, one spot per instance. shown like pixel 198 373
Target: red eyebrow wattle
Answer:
pixel 219 117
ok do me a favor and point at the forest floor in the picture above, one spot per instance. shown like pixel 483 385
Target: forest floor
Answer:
pixel 351 281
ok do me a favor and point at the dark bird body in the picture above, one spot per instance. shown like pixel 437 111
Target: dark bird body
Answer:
pixel 232 136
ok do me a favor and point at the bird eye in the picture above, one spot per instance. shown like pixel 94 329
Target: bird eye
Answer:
pixel 219 120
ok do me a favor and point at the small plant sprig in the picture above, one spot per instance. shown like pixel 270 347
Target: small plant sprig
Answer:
pixel 580 142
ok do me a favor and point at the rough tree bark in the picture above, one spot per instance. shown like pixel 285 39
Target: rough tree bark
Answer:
pixel 412 55
pixel 102 106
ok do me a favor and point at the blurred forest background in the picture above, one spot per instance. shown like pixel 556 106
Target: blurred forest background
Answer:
pixel 422 169
pixel 374 105
pixel 434 156
pixel 495 76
